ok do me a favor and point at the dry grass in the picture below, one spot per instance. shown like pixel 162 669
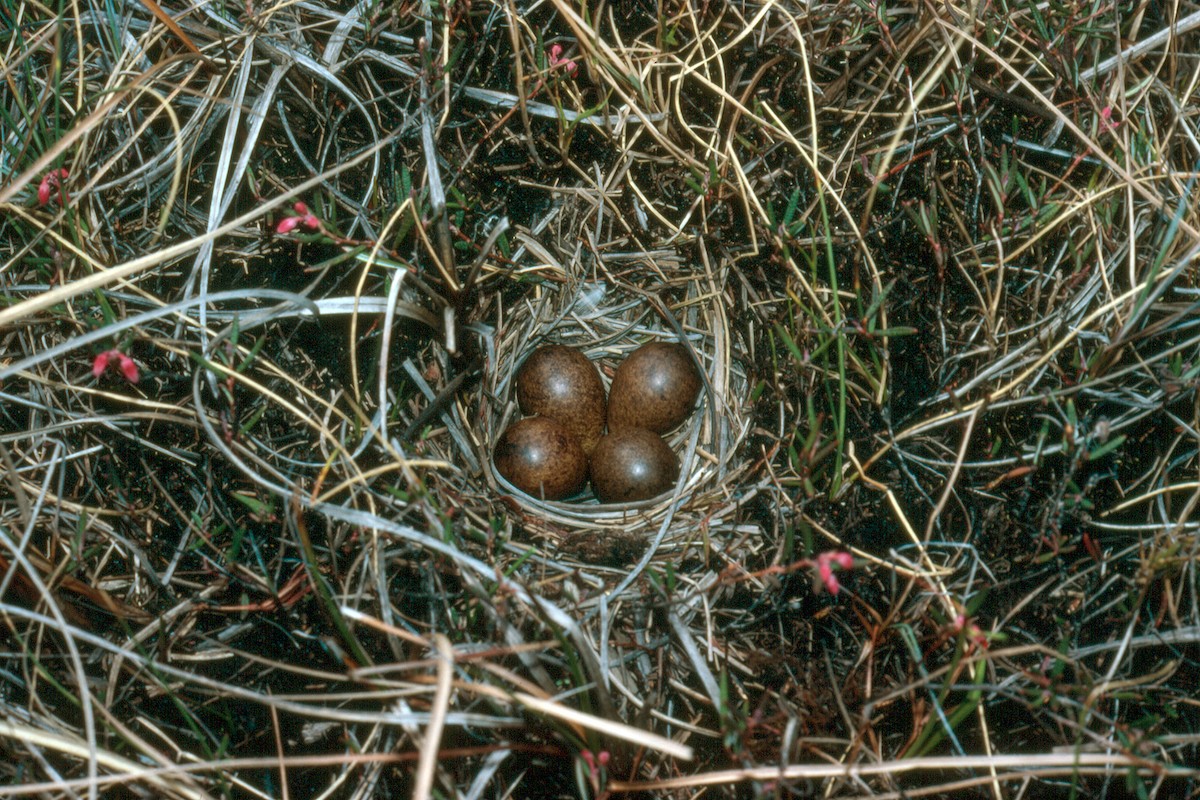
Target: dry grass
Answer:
pixel 937 262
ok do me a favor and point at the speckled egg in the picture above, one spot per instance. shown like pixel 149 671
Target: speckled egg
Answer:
pixel 654 388
pixel 541 458
pixel 632 464
pixel 559 382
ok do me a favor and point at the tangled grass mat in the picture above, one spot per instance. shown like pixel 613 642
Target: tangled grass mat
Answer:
pixel 268 271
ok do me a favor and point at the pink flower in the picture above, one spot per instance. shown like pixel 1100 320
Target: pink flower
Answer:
pixel 302 218
pixel 825 565
pixel 556 60
pixel 974 634
pixel 52 180
pixel 1106 119
pixel 101 363
pixel 124 364
pixel 595 762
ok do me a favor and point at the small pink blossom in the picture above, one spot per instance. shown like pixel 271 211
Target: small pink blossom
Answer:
pixel 595 762
pixel 1106 118
pixel 974 634
pixel 556 60
pixel 52 180
pixel 825 564
pixel 302 218
pixel 124 364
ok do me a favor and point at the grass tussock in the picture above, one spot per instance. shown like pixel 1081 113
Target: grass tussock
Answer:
pixel 266 271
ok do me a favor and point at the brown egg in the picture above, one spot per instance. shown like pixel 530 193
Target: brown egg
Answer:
pixel 560 383
pixel 541 458
pixel 654 388
pixel 632 464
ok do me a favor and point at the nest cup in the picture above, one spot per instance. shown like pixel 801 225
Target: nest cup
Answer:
pixel 607 322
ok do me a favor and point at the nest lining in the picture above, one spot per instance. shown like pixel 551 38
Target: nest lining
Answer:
pixel 606 320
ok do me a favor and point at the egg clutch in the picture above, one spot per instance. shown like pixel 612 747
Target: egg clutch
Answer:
pixel 551 453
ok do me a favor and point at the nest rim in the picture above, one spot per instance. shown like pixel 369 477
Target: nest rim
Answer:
pixel 607 320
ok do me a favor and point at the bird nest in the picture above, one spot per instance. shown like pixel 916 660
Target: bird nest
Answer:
pixel 655 298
